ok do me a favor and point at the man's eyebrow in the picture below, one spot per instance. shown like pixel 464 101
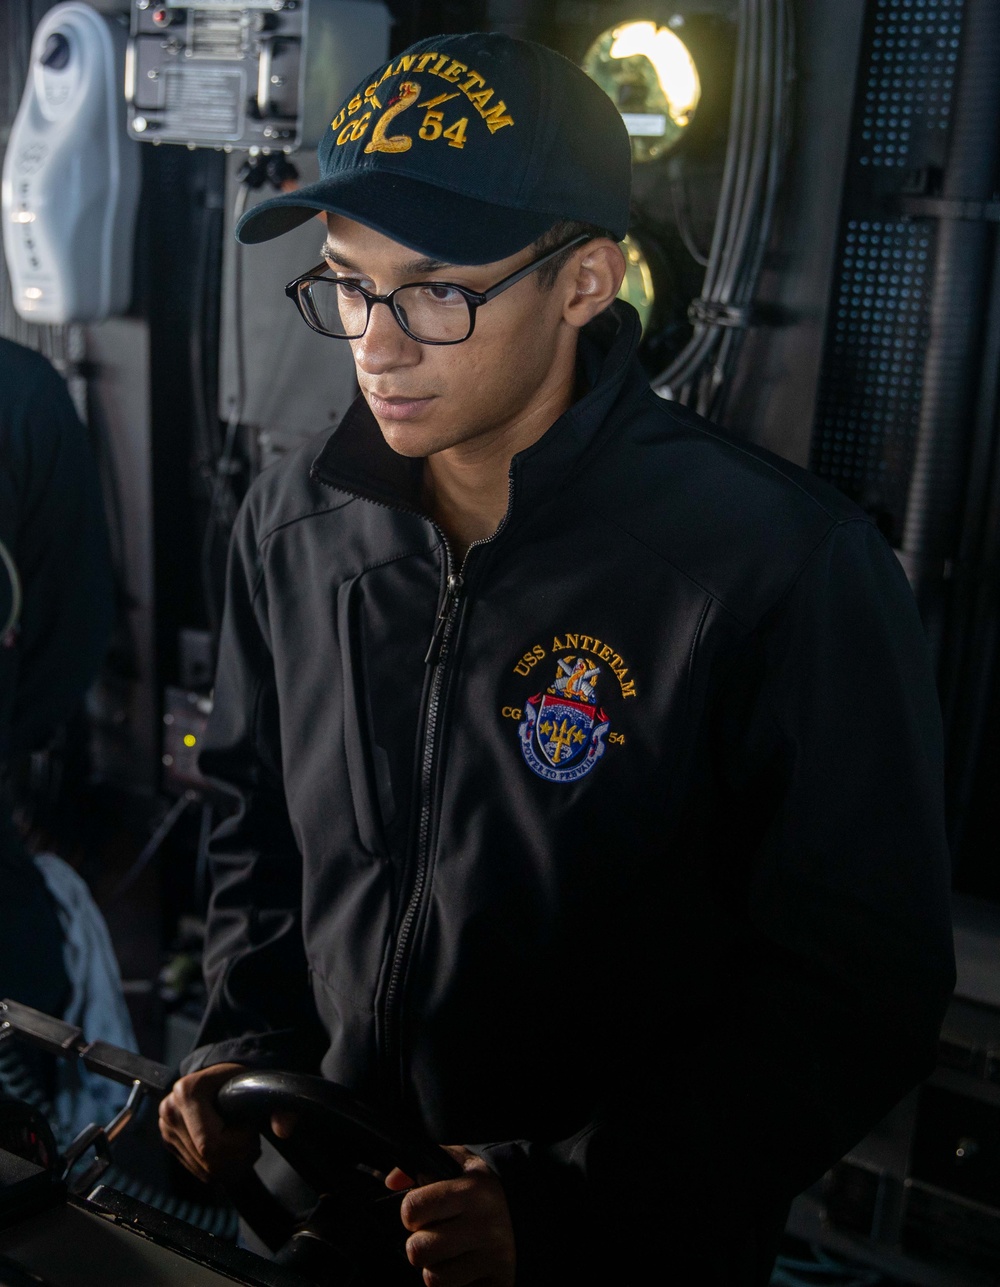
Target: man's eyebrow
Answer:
pixel 424 265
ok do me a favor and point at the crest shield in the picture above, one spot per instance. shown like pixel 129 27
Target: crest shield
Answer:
pixel 563 730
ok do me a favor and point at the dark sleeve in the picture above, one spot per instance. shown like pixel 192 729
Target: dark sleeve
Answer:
pixel 828 775
pixel 52 521
pixel 260 1009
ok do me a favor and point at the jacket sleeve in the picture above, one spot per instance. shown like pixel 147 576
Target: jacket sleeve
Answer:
pixel 260 1009
pixel 827 784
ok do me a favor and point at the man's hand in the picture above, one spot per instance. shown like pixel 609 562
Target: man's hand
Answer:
pixel 193 1130
pixel 460 1230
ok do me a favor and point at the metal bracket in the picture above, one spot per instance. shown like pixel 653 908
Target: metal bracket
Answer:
pixel 67 1041
pixel 710 312
pixel 949 208
pixel 99 1138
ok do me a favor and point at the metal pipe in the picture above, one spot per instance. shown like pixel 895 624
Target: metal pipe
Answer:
pixel 951 365
pixel 969 664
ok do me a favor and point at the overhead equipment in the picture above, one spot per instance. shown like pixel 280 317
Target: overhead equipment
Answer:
pixel 258 75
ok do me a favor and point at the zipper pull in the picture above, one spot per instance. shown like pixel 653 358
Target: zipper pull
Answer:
pixel 453 588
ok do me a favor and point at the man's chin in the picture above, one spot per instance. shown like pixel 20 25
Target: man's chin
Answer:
pixel 407 439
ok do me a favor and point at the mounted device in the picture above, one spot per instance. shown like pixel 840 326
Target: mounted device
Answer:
pixel 71 175
pixel 258 75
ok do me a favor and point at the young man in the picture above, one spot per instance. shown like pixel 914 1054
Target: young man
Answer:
pixel 589 760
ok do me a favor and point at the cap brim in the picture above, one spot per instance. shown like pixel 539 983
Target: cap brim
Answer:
pixel 446 225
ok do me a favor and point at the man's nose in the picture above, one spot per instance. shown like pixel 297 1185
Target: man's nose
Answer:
pixel 384 345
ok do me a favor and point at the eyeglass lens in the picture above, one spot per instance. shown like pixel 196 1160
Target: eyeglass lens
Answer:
pixel 429 312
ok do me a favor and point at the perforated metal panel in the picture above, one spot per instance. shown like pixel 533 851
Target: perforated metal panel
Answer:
pixel 910 77
pixel 869 399
pixel 868 402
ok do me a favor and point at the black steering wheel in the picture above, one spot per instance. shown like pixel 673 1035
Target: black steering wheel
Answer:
pixel 339 1146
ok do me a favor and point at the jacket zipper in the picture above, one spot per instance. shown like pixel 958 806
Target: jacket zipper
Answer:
pixel 443 624
pixel 437 656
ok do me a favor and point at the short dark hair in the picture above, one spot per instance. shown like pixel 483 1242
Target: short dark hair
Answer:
pixel 564 230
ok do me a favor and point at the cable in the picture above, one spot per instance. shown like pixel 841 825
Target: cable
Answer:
pixel 778 138
pixel 202 874
pixel 720 285
pixel 772 139
pixel 221 493
pixel 682 216
pixel 236 411
pixel 14 615
pixel 152 845
pixel 204 419
pixel 758 135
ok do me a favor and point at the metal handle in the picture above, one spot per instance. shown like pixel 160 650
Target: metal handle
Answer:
pixel 264 75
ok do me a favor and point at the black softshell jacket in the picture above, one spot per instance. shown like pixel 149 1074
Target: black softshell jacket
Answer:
pixel 615 853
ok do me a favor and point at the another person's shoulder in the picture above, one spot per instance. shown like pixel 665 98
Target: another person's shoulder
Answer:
pixel 40 429
pixel 19 360
pixel 738 519
pixel 26 374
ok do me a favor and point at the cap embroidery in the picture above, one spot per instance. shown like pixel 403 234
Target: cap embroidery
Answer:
pixel 409 92
pixel 433 126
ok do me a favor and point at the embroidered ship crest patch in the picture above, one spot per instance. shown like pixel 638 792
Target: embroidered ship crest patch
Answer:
pixel 563 730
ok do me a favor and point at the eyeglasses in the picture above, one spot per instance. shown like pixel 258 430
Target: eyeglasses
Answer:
pixel 429 312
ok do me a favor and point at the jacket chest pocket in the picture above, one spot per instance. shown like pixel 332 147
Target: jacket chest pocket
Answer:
pixel 383 627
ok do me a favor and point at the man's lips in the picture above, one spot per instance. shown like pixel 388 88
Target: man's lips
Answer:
pixel 395 407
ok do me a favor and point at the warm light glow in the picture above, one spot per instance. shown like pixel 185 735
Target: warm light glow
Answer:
pixel 190 739
pixel 675 69
pixel 637 285
pixel 23 216
pixel 649 74
pixel 32 292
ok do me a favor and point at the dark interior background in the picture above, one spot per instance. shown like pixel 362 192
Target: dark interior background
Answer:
pixel 871 355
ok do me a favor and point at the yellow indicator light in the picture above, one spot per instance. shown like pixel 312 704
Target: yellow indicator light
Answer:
pixel 190 739
pixel 637 286
pixel 649 74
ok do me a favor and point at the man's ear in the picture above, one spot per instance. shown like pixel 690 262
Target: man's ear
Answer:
pixel 592 280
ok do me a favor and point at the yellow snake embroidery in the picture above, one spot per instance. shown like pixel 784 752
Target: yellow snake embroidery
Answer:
pixel 409 92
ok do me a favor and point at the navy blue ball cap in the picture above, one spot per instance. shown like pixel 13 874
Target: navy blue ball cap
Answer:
pixel 466 148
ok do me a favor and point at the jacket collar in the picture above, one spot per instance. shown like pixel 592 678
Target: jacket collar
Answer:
pixel 357 459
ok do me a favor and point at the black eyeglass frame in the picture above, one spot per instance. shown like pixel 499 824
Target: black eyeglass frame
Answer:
pixel 474 299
